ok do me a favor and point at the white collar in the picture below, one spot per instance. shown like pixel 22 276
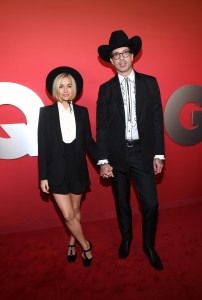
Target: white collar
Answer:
pixel 131 77
pixel 61 107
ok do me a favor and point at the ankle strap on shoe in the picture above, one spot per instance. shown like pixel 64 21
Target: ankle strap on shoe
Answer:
pixel 89 249
pixel 71 246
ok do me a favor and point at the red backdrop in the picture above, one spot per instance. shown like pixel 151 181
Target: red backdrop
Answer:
pixel 38 36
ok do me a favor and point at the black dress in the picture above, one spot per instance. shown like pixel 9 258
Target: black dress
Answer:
pixel 71 183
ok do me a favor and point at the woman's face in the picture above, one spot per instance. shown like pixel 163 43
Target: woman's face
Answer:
pixel 65 89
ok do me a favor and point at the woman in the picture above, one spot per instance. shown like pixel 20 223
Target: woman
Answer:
pixel 64 134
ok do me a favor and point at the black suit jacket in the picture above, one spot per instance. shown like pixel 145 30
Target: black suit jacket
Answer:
pixel 50 145
pixel 110 135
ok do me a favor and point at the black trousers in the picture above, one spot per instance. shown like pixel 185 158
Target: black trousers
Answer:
pixel 145 186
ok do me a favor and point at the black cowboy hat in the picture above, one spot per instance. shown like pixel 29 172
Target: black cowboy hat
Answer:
pixel 68 70
pixel 119 39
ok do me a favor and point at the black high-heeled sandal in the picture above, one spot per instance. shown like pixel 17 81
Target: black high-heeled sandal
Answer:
pixel 87 261
pixel 72 257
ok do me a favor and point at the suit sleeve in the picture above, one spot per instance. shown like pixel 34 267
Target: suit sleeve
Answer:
pixel 90 143
pixel 158 125
pixel 102 121
pixel 42 145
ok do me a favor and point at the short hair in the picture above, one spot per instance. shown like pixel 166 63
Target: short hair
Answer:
pixel 56 84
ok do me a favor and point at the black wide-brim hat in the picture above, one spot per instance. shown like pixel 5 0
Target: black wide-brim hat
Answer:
pixel 119 39
pixel 68 70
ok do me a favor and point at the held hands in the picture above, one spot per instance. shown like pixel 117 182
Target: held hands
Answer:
pixel 106 171
pixel 158 165
pixel 44 186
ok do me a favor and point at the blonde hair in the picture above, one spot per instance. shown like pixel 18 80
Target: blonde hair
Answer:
pixel 56 84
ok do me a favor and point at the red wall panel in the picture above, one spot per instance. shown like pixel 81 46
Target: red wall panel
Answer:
pixel 36 37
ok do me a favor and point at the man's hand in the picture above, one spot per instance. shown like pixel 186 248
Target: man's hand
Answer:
pixel 106 171
pixel 158 165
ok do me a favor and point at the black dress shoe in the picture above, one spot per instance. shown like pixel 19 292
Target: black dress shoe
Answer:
pixel 154 259
pixel 72 257
pixel 124 249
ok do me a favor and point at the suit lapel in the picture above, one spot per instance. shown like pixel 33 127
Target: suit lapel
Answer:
pixel 139 91
pixel 118 96
pixel 78 124
pixel 77 121
pixel 56 121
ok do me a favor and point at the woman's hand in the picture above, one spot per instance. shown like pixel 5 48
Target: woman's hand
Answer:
pixel 44 186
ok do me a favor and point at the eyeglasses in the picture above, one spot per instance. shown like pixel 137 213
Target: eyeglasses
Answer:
pixel 117 55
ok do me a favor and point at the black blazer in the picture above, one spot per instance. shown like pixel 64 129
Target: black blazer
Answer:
pixel 110 132
pixel 50 145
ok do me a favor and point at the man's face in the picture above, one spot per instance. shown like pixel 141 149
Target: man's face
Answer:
pixel 122 59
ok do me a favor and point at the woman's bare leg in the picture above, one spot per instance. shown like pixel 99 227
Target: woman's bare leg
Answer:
pixel 73 224
pixel 76 204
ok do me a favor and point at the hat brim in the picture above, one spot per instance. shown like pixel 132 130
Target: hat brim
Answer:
pixel 135 44
pixel 63 69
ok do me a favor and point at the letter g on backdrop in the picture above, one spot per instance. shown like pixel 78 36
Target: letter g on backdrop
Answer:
pixel 179 134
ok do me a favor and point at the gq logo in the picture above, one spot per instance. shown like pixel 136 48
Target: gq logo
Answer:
pixel 182 96
pixel 23 137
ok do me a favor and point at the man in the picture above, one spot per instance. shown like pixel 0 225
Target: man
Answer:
pixel 130 139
